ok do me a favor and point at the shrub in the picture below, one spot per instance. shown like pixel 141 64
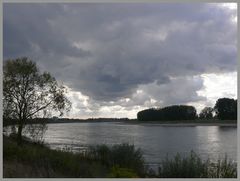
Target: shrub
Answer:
pixel 123 156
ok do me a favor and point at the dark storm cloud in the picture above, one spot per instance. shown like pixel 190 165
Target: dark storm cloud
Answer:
pixel 28 27
pixel 108 51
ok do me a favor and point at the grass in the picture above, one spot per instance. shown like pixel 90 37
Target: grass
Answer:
pixel 97 162
pixel 51 163
pixel 36 160
pixel 193 166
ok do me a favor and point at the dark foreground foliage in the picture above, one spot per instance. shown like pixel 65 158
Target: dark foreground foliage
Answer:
pixel 36 160
pixel 193 166
pixel 119 156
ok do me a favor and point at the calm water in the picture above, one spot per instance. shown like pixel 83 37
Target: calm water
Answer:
pixel 155 140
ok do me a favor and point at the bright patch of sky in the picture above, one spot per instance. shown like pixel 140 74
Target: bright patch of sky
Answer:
pixel 231 6
pixel 219 85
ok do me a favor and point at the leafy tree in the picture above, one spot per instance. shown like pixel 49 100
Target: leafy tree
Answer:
pixel 206 113
pixel 175 112
pixel 148 115
pixel 27 93
pixel 226 108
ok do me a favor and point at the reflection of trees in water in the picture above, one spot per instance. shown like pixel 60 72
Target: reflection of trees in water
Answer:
pixel 227 128
pixel 35 132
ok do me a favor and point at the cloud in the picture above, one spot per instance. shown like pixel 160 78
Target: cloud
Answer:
pixel 109 51
pixel 180 90
pixel 225 84
pixel 28 30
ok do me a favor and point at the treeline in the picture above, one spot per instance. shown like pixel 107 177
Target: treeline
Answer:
pixel 175 112
pixel 224 109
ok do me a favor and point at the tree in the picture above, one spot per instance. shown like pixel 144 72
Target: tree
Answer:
pixel 206 113
pixel 28 93
pixel 175 112
pixel 226 108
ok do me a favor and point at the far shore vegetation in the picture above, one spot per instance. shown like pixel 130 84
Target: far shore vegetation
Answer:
pixel 216 122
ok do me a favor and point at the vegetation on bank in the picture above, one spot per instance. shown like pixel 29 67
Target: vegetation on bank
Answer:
pixel 176 112
pixel 98 162
pixel 32 159
pixel 10 122
pixel 224 109
pixel 193 166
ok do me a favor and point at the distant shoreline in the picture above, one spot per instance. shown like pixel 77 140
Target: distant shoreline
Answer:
pixel 191 124
pixel 177 124
pixel 229 123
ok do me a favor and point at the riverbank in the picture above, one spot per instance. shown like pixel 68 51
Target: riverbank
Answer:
pixel 177 124
pixel 198 122
pixel 34 160
pixel 229 123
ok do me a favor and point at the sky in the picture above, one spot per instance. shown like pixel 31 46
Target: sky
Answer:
pixel 119 58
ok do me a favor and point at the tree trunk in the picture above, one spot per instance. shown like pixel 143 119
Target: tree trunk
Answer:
pixel 19 134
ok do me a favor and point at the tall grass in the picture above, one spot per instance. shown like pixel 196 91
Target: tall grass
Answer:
pixel 222 169
pixel 193 166
pixel 56 163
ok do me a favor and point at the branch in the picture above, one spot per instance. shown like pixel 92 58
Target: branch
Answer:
pixel 39 109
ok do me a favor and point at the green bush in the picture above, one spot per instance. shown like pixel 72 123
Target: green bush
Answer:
pixel 123 155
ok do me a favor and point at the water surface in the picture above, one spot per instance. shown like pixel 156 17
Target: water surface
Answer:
pixel 156 141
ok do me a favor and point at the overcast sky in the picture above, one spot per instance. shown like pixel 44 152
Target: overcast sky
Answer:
pixel 117 59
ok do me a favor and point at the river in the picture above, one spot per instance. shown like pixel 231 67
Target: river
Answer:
pixel 155 140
